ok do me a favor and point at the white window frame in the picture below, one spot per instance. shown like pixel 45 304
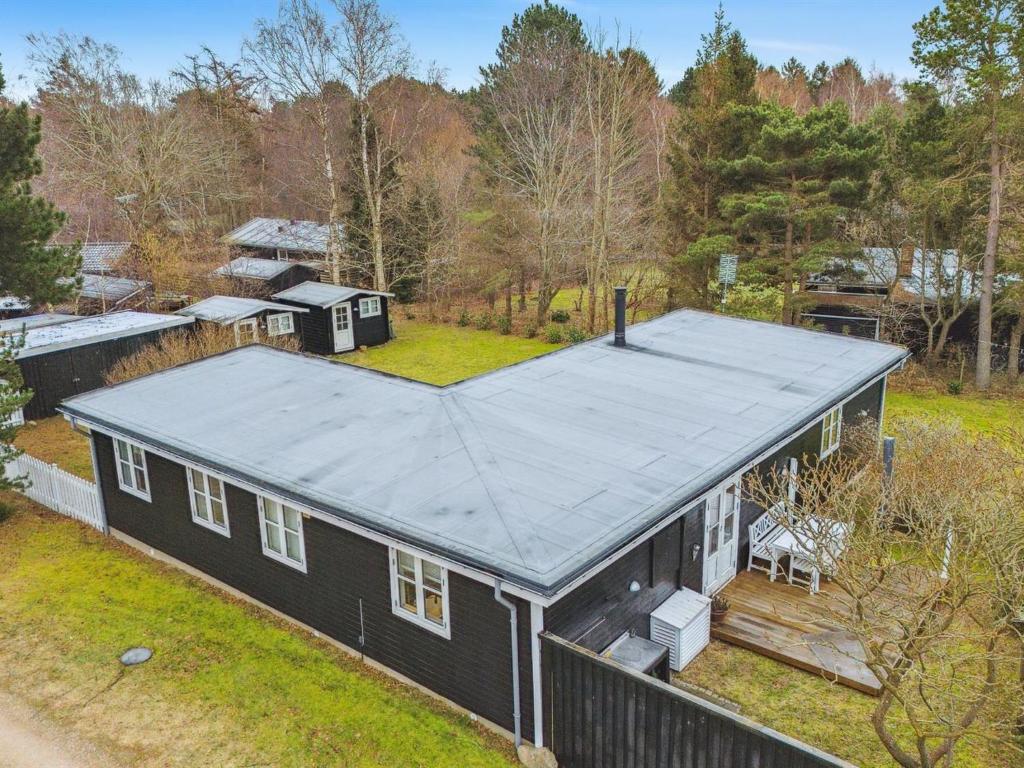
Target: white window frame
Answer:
pixel 273 554
pixel 208 497
pixel 420 617
pixel 285 322
pixel 370 307
pixel 831 431
pixel 128 485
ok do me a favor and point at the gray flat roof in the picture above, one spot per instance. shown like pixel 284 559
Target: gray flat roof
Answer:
pixel 228 309
pixel 110 288
pixel 533 472
pixel 254 268
pixel 102 257
pixel 16 324
pixel 323 294
pixel 290 234
pixel 89 330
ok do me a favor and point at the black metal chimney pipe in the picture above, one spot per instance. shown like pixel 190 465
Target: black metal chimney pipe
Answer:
pixel 620 316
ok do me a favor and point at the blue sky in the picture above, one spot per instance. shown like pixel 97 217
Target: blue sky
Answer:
pixel 460 35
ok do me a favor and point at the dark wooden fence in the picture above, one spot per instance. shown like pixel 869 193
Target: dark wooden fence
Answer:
pixel 599 714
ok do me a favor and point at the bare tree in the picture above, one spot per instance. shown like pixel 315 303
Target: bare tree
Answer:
pixel 132 145
pixel 928 562
pixel 538 114
pixel 375 63
pixel 618 95
pixel 296 58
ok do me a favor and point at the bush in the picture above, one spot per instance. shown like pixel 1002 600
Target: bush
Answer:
pixel 464 318
pixel 955 387
pixel 184 347
pixel 554 334
pixel 485 321
pixel 559 316
pixel 575 334
pixel 504 325
pixel 530 329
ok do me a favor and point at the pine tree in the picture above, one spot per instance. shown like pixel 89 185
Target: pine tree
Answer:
pixel 978 47
pixel 30 268
pixel 791 187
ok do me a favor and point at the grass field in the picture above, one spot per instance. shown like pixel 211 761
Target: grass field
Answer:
pixel 54 441
pixel 228 685
pixel 442 354
pixel 984 415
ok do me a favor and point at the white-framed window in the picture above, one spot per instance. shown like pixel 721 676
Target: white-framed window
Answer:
pixel 280 324
pixel 369 307
pixel 831 428
pixel 208 500
pixel 419 591
pixel 281 533
pixel 132 475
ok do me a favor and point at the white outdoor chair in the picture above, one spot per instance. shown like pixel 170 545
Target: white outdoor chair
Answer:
pixel 763 532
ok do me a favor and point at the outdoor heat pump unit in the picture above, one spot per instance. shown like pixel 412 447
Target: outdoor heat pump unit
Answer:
pixel 683 623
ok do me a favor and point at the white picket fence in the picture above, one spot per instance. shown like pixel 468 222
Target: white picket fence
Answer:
pixel 59 490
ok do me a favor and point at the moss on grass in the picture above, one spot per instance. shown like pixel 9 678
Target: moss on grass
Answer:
pixel 228 685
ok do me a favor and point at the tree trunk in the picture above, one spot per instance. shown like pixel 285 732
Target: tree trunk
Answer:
pixel 983 372
pixel 787 277
pixel 522 289
pixel 374 202
pixel 1013 358
pixel 333 240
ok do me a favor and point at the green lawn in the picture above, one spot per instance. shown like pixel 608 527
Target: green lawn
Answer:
pixel 54 441
pixel 442 354
pixel 228 685
pixel 985 415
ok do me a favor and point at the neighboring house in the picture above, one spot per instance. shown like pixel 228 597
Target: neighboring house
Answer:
pixel 264 276
pixel 12 306
pixel 65 355
pixel 339 318
pixel 104 258
pixel 858 295
pixel 573 493
pixel 103 293
pixel 19 325
pixel 281 239
pixel 252 319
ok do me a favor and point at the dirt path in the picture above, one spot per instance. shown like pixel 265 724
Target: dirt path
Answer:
pixel 28 739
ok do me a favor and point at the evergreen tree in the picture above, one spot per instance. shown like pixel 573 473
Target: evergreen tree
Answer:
pixel 977 47
pixel 722 77
pixel 30 268
pixel 799 175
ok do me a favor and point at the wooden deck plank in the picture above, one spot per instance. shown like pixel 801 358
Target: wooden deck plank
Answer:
pixel 790 625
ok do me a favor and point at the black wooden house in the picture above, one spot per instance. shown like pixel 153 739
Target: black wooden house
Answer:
pixel 251 276
pixel 339 318
pixel 280 239
pixel 64 355
pixel 441 531
pixel 251 319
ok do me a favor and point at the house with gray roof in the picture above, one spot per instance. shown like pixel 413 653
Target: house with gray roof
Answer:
pixel 439 531
pixel 262 277
pixel 339 318
pixel 251 319
pixel 281 239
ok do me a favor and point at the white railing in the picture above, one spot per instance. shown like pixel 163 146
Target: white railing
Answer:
pixel 59 490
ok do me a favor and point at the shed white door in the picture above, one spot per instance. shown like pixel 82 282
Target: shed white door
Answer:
pixel 343 339
pixel 721 520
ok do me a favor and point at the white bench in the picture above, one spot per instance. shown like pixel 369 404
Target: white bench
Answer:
pixel 763 533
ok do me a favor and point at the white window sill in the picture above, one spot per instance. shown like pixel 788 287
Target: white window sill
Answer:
pixel 225 531
pixel 134 492
pixel 301 567
pixel 412 618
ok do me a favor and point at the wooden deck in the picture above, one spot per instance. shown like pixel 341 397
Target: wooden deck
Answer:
pixel 788 624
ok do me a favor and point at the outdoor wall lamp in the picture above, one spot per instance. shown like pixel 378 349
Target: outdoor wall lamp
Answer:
pixel 694 552
pixel 634 586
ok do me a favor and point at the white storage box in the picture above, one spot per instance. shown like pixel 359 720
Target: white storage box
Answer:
pixel 683 623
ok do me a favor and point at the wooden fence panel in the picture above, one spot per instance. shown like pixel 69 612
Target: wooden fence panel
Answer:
pixel 599 714
pixel 59 490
